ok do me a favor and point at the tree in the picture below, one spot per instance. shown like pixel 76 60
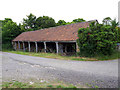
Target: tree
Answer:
pixel 45 22
pixel 118 34
pixel 78 20
pixel 106 21
pixel 97 39
pixel 61 22
pixel 9 30
pixel 114 24
pixel 29 22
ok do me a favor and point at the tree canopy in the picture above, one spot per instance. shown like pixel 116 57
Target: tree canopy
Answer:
pixel 45 22
pixel 61 22
pixel 9 30
pixel 106 21
pixel 78 20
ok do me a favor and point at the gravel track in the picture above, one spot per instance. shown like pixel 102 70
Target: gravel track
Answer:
pixel 103 74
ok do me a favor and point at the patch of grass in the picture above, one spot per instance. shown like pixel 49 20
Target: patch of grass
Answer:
pixel 50 86
pixel 115 55
pixel 79 59
pixel 17 84
pixel 88 85
pixel 96 87
pixel 53 55
pixel 60 86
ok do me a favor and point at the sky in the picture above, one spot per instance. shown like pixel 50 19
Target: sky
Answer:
pixel 59 9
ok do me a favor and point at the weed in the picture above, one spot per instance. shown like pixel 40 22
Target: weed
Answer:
pixel 88 85
pixel 50 86
pixel 96 86
pixel 6 85
pixel 59 86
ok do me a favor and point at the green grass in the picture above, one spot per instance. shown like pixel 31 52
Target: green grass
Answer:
pixel 115 55
pixel 17 84
pixel 53 55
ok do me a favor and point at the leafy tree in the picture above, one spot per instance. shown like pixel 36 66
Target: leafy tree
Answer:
pixel 9 30
pixel 97 39
pixel 61 22
pixel 106 21
pixel 118 34
pixel 114 23
pixel 45 22
pixel 78 20
pixel 29 22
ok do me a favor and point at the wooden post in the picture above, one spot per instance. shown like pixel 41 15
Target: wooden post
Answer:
pixel 77 48
pixel 56 47
pixel 45 46
pixel 29 46
pixel 36 47
pixel 19 45
pixel 15 46
pixel 23 46
pixel 65 48
pixel 12 43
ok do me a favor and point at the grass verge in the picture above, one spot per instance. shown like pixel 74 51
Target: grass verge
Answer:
pixel 53 55
pixel 115 55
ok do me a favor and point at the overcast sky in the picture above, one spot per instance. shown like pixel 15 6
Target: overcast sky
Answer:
pixel 59 9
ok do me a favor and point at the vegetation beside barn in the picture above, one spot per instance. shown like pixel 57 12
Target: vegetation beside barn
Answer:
pixel 99 39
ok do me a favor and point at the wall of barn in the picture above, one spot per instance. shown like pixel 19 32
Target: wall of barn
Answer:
pixel 40 46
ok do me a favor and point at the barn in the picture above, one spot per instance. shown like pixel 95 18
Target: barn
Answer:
pixel 59 39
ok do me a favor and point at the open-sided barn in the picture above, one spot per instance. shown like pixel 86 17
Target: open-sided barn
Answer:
pixel 59 39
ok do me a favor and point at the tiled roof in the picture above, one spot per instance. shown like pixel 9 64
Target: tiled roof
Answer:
pixel 59 33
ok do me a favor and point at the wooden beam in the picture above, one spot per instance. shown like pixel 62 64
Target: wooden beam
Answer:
pixel 23 46
pixel 65 48
pixel 15 47
pixel 45 46
pixel 77 48
pixel 56 47
pixel 19 45
pixel 12 43
pixel 54 41
pixel 29 46
pixel 36 47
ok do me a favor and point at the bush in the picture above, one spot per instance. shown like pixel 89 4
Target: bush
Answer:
pixel 7 47
pixel 97 39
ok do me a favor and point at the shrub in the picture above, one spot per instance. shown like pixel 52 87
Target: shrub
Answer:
pixel 97 39
pixel 7 47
